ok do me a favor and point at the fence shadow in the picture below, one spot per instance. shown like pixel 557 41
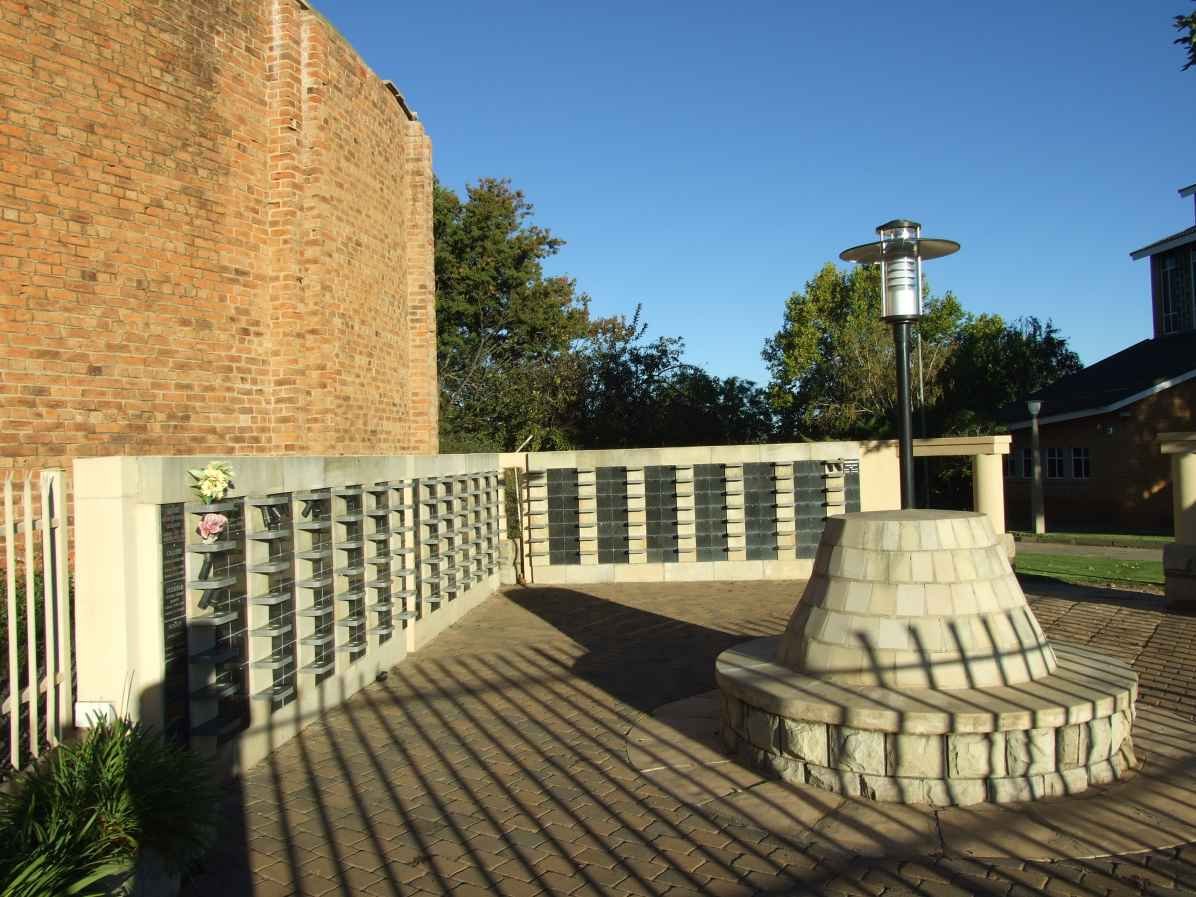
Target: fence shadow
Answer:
pixel 496 763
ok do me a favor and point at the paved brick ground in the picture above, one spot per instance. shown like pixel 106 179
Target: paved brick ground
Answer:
pixel 495 763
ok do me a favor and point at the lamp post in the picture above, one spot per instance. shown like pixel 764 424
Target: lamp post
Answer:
pixel 1035 406
pixel 900 252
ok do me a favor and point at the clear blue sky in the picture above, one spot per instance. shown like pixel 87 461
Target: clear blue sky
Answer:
pixel 705 159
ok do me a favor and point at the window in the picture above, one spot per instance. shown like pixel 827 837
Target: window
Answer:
pixel 1027 463
pixel 1081 463
pixel 1054 464
pixel 1010 464
pixel 1171 294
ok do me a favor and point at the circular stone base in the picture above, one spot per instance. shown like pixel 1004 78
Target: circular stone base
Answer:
pixel 1051 737
pixel 678 749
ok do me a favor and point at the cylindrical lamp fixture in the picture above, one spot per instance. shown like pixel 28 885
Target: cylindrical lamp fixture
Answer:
pixel 900 252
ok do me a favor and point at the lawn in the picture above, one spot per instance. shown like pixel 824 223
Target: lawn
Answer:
pixel 1121 540
pixel 1090 569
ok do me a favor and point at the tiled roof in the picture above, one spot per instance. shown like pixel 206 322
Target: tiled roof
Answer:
pixel 1116 381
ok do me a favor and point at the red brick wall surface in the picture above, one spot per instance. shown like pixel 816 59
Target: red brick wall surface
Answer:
pixel 215 237
pixel 1129 488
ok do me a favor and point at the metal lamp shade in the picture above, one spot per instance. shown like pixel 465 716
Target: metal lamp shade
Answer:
pixel 900 252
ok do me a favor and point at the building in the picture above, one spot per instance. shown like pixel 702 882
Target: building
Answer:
pixel 1101 464
pixel 217 238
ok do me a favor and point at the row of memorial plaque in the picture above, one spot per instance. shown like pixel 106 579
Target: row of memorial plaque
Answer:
pixel 809 499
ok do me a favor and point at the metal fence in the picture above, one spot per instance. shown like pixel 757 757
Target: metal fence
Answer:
pixel 36 679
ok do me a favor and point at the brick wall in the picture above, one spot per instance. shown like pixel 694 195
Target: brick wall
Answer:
pixel 215 236
pixel 1129 487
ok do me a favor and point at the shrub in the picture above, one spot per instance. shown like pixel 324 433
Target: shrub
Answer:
pixel 94 804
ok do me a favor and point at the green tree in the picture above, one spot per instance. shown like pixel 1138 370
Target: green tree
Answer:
pixel 640 393
pixel 1188 41
pixel 505 331
pixel 998 363
pixel 832 366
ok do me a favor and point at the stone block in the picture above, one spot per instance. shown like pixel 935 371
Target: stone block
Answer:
pixel 1015 788
pixel 1072 746
pixel 761 729
pixel 911 600
pixel 805 741
pixel 1102 773
pixel 955 792
pixel 977 756
pixel 733 712
pixel 1099 737
pixel 889 790
pixel 1030 752
pixel 729 738
pixel 778 766
pixel 854 750
pixel 911 538
pixel 922 566
pixel 1068 782
pixel 836 780
pixel 919 756
pixel 938 600
pixel 1119 726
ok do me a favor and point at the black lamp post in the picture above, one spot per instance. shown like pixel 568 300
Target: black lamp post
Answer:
pixel 900 252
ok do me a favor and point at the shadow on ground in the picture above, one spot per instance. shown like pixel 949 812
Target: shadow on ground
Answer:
pixel 494 762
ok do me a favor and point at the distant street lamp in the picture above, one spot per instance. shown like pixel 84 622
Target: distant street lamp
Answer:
pixel 1036 466
pixel 900 252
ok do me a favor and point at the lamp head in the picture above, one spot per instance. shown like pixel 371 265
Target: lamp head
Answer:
pixel 900 252
pixel 1035 406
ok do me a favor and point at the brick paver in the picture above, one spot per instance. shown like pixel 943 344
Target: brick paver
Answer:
pixel 494 762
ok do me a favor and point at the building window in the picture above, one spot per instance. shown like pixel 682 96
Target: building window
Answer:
pixel 1171 294
pixel 1027 463
pixel 1081 463
pixel 1054 464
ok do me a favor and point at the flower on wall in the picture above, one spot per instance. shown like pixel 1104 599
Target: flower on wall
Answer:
pixel 212 482
pixel 211 526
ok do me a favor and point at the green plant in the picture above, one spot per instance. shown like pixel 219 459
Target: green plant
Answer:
pixel 95 804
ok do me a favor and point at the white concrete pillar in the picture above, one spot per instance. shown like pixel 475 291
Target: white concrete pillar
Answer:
pixel 1179 557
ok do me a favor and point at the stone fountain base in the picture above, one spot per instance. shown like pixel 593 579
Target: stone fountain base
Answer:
pixel 1051 737
pixel 913 671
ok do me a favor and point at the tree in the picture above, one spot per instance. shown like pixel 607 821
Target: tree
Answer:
pixel 1187 23
pixel 832 365
pixel 505 331
pixel 998 363
pixel 640 393
pixel 834 373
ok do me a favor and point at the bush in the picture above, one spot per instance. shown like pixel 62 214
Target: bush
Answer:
pixel 95 804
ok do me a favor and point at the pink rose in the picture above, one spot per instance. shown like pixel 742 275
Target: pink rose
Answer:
pixel 211 526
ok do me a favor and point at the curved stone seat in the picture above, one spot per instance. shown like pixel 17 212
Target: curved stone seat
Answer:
pixel 1050 737
pixel 913 670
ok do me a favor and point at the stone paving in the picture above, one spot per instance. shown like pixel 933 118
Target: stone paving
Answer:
pixel 495 762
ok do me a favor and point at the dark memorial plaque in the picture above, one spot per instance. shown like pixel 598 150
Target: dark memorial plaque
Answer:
pixel 176 704
pixel 759 512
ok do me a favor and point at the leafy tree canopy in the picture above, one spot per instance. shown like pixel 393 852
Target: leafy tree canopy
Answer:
pixel 833 371
pixel 1188 41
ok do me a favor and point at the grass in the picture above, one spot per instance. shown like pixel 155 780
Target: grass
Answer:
pixel 1090 569
pixel 1119 540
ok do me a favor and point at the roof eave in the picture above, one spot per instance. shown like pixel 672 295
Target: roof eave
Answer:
pixel 1112 406
pixel 1163 245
